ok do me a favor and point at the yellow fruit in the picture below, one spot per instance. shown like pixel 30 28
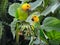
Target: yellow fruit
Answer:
pixel 35 19
pixel 26 6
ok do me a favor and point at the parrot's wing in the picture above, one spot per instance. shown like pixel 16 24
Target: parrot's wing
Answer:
pixel 21 15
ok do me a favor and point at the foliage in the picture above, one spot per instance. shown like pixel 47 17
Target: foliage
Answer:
pixel 1 30
pixel 3 8
pixel 51 23
pixel 46 31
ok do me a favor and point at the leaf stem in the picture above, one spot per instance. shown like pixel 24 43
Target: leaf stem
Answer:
pixel 31 41
pixel 17 36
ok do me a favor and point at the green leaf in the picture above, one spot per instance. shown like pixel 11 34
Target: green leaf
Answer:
pixel 42 36
pixel 37 25
pixel 51 23
pixel 37 41
pixel 51 8
pixel 46 2
pixel 54 42
pixel 24 1
pixel 1 30
pixel 12 9
pixel 35 4
pixel 13 25
pixel 54 37
pixel 3 6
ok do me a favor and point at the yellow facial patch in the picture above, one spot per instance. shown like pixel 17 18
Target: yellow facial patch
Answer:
pixel 35 19
pixel 26 6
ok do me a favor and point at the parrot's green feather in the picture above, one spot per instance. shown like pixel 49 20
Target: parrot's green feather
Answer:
pixel 21 14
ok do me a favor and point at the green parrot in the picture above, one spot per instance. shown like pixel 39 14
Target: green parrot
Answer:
pixel 19 11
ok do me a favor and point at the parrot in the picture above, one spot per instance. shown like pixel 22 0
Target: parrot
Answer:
pixel 21 12
pixel 33 18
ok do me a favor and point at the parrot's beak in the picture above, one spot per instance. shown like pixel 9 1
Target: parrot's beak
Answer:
pixel 29 10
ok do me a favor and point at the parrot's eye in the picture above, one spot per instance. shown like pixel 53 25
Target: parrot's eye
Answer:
pixel 32 19
pixel 27 6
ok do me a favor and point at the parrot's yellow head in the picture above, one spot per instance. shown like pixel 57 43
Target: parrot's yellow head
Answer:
pixel 35 18
pixel 26 6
